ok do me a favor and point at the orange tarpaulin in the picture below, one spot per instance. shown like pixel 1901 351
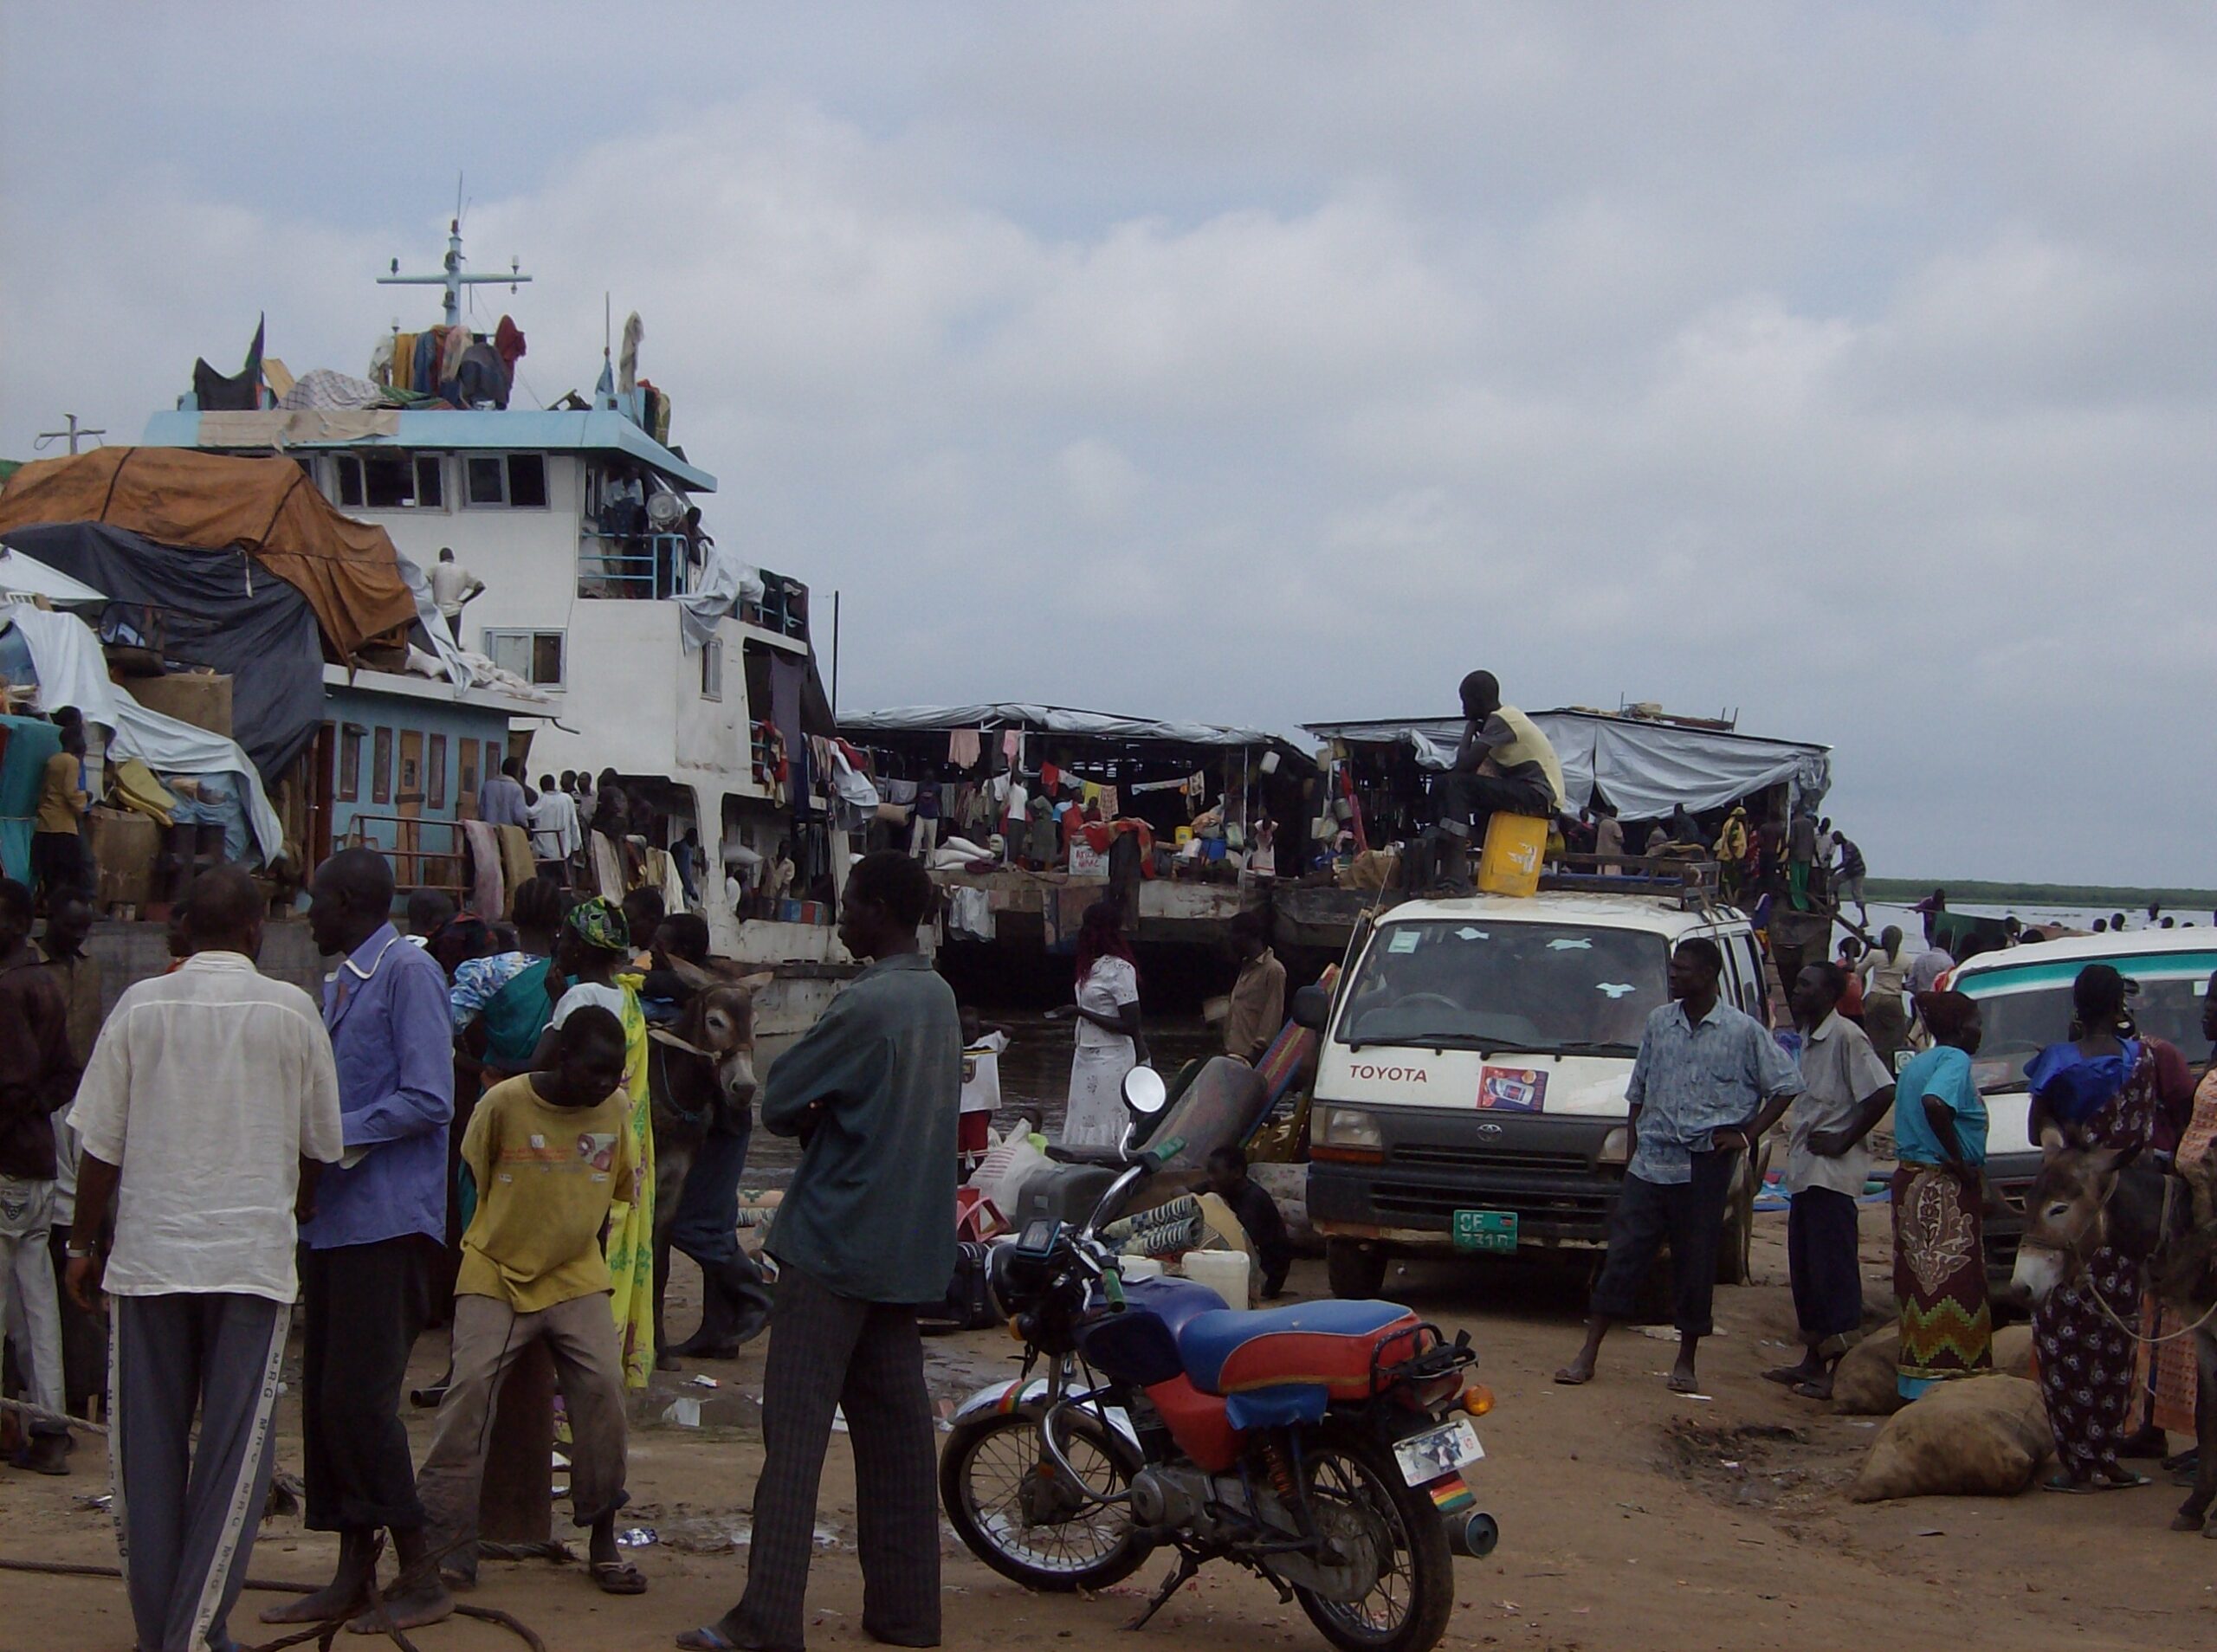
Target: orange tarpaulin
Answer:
pixel 347 569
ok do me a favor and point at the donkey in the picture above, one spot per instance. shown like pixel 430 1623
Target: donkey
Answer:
pixel 2084 1198
pixel 701 1075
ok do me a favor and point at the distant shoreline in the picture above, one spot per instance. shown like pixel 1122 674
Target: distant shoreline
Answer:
pixel 1895 892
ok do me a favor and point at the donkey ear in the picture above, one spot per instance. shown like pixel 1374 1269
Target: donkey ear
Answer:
pixel 696 979
pixel 2109 1160
pixel 2050 1140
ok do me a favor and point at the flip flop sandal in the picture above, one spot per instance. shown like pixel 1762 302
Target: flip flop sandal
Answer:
pixel 707 1639
pixel 2067 1486
pixel 1812 1390
pixel 1564 1377
pixel 619 1577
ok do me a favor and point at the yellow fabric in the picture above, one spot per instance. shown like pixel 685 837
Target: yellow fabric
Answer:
pixel 631 1226
pixel 547 1178
pixel 60 802
pixel 1530 746
pixel 517 867
pixel 136 788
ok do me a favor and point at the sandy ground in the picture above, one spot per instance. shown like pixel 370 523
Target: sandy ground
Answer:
pixel 1630 1517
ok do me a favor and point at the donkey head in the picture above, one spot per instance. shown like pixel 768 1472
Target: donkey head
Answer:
pixel 717 1026
pixel 2066 1213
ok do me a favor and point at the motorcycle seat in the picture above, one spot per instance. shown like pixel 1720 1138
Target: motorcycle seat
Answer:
pixel 1333 1344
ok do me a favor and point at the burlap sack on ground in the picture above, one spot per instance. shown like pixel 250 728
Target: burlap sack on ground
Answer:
pixel 1977 1436
pixel 1863 1384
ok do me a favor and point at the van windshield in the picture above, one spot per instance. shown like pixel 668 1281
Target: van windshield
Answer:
pixel 1482 983
pixel 2024 1011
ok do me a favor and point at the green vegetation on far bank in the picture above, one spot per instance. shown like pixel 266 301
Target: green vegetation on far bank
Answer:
pixel 1898 892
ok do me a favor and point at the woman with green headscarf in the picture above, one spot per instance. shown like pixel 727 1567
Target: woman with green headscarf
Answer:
pixel 594 944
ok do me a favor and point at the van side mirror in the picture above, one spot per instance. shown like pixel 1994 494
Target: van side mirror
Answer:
pixel 1312 1008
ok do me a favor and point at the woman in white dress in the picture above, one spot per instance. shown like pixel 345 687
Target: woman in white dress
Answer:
pixel 1108 1043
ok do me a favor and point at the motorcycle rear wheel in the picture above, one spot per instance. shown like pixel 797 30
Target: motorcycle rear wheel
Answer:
pixel 982 1475
pixel 1355 1484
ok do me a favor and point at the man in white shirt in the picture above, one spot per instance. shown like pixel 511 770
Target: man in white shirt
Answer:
pixel 210 1101
pixel 555 835
pixel 452 585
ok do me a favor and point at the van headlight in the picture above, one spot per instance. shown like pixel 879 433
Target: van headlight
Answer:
pixel 1347 1133
pixel 1616 1147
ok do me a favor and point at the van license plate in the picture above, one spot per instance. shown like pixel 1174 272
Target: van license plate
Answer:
pixel 1493 1231
pixel 1437 1452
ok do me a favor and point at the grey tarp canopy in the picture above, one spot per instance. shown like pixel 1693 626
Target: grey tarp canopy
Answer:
pixel 1645 769
pixel 1056 719
pixel 220 609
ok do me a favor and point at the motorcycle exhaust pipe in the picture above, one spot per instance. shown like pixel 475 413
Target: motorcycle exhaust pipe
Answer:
pixel 1475 1537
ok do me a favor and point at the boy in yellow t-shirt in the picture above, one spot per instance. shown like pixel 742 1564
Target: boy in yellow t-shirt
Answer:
pixel 550 1157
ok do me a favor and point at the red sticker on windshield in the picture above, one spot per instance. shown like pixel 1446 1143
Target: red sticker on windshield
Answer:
pixel 1512 1089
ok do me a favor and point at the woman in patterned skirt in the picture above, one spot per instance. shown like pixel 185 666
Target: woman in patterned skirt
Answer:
pixel 1940 1204
pixel 2099 1090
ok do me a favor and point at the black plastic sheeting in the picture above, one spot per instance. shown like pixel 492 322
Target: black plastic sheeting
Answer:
pixel 221 609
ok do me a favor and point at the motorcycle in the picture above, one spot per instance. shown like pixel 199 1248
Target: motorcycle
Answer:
pixel 1327 1447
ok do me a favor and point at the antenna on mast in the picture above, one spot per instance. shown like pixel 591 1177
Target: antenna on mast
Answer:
pixel 451 277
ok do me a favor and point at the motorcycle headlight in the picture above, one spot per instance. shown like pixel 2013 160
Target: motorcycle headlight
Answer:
pixel 1616 1146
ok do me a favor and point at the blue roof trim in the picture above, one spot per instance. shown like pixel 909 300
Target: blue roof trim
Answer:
pixel 600 431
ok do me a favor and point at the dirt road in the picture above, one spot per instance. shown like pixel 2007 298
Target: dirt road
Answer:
pixel 1630 1517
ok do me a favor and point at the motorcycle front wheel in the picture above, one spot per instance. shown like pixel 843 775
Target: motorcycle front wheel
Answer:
pixel 1019 1511
pixel 1358 1497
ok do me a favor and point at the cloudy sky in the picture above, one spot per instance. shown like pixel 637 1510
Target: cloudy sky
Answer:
pixel 1853 367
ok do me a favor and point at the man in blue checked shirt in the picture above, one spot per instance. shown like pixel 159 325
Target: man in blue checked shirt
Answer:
pixel 1703 1072
pixel 380 1218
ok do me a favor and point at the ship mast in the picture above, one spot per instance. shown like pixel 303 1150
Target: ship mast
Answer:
pixel 452 278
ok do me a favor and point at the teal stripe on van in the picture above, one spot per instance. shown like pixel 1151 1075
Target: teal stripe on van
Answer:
pixel 2156 966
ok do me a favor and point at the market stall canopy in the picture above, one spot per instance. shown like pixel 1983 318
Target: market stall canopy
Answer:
pixel 22 576
pixel 1058 719
pixel 347 569
pixel 1644 768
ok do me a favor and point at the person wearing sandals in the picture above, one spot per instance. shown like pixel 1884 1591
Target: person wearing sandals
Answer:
pixel 1940 1122
pixel 1702 1077
pixel 1847 1092
pixel 2096 1090
pixel 550 1153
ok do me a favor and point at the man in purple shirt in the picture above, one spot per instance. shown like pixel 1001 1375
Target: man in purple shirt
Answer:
pixel 380 1218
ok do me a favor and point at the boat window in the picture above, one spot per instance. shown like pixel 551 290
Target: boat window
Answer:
pixel 536 656
pixel 528 481
pixel 349 471
pixel 2023 1011
pixel 435 791
pixel 488 481
pixel 712 669
pixel 515 480
pixel 1507 986
pixel 390 480
pixel 430 482
pixel 350 763
pixel 381 767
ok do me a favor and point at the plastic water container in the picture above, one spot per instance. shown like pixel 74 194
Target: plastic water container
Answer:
pixel 1138 1267
pixel 1224 1272
pixel 1510 865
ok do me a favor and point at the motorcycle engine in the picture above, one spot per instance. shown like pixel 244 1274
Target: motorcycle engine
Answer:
pixel 1168 1498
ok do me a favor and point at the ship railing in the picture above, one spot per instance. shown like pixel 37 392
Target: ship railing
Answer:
pixel 424 854
pixel 640 567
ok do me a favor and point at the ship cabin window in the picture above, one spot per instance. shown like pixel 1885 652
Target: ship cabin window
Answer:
pixel 712 669
pixel 381 766
pixel 390 481
pixel 517 480
pixel 350 763
pixel 436 787
pixel 536 656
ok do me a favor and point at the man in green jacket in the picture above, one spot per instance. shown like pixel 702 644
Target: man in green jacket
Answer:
pixel 865 1234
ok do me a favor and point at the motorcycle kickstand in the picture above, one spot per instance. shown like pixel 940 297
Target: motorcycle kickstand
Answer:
pixel 1188 1568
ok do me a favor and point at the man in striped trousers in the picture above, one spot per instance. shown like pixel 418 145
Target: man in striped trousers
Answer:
pixel 211 1099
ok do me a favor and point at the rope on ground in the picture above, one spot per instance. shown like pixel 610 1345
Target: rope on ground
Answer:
pixel 322 1633
pixel 40 1414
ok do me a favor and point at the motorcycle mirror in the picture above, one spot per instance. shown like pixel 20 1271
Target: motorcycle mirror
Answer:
pixel 1145 1093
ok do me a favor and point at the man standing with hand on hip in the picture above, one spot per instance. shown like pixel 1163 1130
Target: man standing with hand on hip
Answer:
pixel 862 1237
pixel 210 1102
pixel 380 1219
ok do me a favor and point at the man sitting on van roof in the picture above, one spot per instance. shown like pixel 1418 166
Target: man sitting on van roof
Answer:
pixel 1504 765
